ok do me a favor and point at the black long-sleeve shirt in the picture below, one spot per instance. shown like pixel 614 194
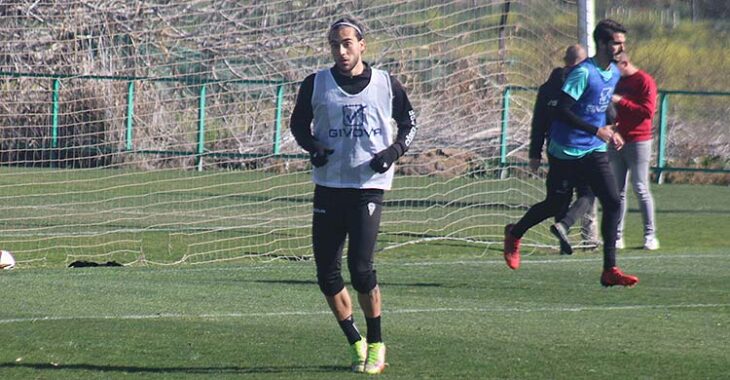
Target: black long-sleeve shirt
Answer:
pixel 402 111
pixel 543 114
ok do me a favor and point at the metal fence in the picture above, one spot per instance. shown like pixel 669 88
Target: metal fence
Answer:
pixel 197 85
pixel 691 135
pixel 690 132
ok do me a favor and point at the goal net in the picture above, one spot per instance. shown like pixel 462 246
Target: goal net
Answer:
pixel 156 132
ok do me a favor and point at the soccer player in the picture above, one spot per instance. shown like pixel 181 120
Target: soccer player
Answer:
pixel 635 100
pixel 577 150
pixel 547 99
pixel 342 118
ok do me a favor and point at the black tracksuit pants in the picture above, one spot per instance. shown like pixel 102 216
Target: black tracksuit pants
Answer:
pixel 340 213
pixel 563 175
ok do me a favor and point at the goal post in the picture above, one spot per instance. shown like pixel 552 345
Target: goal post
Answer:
pixel 151 133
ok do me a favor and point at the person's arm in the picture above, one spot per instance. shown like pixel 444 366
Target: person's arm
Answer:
pixel 611 114
pixel 564 114
pixel 543 115
pixel 643 104
pixel 616 139
pixel 573 89
pixel 567 116
pixel 302 115
pixel 540 124
pixel 405 119
pixel 301 124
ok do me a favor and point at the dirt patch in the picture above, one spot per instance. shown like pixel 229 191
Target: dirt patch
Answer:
pixel 442 162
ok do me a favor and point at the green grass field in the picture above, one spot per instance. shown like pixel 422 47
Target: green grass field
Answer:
pixel 451 310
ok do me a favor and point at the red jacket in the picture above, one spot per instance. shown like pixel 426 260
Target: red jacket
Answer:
pixel 635 111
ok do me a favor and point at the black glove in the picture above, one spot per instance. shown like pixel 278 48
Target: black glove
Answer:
pixel 383 160
pixel 318 156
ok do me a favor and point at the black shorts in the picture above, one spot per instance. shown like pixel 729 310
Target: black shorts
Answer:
pixel 341 213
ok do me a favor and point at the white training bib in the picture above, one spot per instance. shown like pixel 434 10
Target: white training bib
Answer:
pixel 356 127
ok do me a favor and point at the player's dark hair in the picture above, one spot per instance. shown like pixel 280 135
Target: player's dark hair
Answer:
pixel 350 22
pixel 605 30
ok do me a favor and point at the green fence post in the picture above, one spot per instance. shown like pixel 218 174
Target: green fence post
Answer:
pixel 503 133
pixel 277 124
pixel 661 155
pixel 54 122
pixel 201 127
pixel 130 114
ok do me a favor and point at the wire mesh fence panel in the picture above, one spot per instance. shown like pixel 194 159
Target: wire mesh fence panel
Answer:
pixel 157 132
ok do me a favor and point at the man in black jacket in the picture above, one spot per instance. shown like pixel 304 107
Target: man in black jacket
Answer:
pixel 547 99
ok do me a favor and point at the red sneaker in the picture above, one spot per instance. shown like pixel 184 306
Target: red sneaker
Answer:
pixel 511 248
pixel 615 276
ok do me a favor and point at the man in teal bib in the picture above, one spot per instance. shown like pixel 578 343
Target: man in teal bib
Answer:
pixel 578 150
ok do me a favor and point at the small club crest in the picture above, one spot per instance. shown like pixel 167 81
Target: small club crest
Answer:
pixel 371 208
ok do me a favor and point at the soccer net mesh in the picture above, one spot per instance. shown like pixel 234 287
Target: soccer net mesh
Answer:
pixel 157 132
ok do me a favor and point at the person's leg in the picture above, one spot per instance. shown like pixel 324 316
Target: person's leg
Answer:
pixel 596 170
pixel 363 224
pixel 559 184
pixel 639 157
pixel 582 204
pixel 565 209
pixel 589 225
pixel 328 238
pixel 619 166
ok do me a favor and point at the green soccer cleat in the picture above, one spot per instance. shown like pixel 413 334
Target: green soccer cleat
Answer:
pixel 359 352
pixel 375 363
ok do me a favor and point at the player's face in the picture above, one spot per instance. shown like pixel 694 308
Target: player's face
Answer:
pixel 347 50
pixel 615 46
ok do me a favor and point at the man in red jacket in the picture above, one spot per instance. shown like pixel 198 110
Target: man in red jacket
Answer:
pixel 635 101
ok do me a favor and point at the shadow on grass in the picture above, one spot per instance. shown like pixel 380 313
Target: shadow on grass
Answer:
pixel 314 282
pixel 194 370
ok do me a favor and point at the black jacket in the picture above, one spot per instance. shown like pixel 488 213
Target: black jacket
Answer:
pixel 543 114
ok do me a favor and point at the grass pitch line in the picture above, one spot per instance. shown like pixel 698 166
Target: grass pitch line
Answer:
pixel 557 260
pixel 559 309
pixel 402 311
pixel 161 316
